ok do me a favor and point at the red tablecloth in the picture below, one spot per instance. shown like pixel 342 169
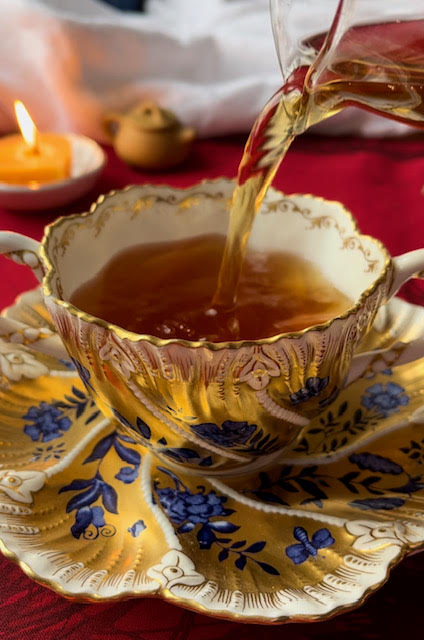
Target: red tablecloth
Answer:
pixel 381 182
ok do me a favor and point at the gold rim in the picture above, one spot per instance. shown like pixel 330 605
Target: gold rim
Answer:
pixel 192 605
pixel 213 346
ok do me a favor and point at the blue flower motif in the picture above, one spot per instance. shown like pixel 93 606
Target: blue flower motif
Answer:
pixel 189 509
pixel 85 517
pixel 83 373
pixel 48 422
pixel 230 434
pixel 137 528
pixel 182 506
pixel 313 388
pixel 90 490
pixel 385 399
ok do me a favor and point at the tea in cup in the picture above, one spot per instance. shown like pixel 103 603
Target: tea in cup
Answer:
pixel 224 405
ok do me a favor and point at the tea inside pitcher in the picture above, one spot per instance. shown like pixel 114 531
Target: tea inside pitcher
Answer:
pixel 165 289
pixel 378 67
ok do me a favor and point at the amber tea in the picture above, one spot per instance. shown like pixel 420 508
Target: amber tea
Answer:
pixel 165 290
pixel 378 67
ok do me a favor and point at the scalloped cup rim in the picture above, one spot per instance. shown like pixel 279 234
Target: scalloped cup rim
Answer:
pixel 122 333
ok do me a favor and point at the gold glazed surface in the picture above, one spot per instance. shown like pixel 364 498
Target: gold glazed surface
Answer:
pixel 178 387
pixel 352 485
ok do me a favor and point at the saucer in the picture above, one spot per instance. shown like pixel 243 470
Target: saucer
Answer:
pixel 88 160
pixel 94 517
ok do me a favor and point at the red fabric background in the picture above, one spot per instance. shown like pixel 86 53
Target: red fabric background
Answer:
pixel 381 182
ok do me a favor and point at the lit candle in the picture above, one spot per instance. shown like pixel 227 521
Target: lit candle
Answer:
pixel 33 157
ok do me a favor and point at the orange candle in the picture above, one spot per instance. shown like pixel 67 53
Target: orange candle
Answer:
pixel 33 157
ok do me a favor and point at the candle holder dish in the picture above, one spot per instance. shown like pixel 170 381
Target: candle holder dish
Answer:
pixel 88 161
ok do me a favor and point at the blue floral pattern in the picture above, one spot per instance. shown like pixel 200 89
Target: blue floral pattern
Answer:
pixel 230 434
pixel 189 510
pixel 313 388
pixel 45 422
pixel 90 523
pixel 308 485
pixel 241 436
pixel 385 399
pixel 89 516
pixel 50 420
pixel 176 454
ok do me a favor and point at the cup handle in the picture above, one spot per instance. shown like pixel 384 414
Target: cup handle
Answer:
pixel 407 266
pixel 26 251
pixel 22 250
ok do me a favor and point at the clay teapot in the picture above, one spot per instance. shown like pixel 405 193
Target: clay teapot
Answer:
pixel 148 136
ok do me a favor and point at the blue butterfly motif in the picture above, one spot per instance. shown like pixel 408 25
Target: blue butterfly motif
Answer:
pixel 298 553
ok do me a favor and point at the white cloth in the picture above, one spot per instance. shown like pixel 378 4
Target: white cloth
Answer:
pixel 211 61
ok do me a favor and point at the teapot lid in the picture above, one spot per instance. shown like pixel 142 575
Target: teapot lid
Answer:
pixel 148 116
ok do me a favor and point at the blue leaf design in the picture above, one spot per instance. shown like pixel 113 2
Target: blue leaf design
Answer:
pixel 238 544
pixel 376 463
pixel 98 516
pixel 206 462
pixel 255 547
pixel 101 448
pixel 127 474
pixel 387 504
pixel 126 454
pixel 122 419
pixel 180 454
pixel 77 485
pixel 223 555
pixel 83 518
pixel 185 527
pixel 144 429
pixel 109 497
pixel 84 499
pixel 80 409
pixel 223 526
pixel 78 393
pixel 267 496
pixel 92 417
pixel 183 452
pixel 268 568
pixel 205 537
pixel 241 562
pixel 125 438
pixel 411 486
pixel 228 435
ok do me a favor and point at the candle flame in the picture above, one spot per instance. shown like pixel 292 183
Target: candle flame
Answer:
pixel 27 126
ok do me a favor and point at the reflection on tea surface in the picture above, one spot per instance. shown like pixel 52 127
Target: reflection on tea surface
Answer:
pixel 165 290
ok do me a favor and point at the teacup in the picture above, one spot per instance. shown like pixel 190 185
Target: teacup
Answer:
pixel 216 408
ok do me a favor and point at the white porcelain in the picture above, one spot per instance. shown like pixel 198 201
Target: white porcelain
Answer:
pixel 309 538
pixel 88 160
pixel 225 407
